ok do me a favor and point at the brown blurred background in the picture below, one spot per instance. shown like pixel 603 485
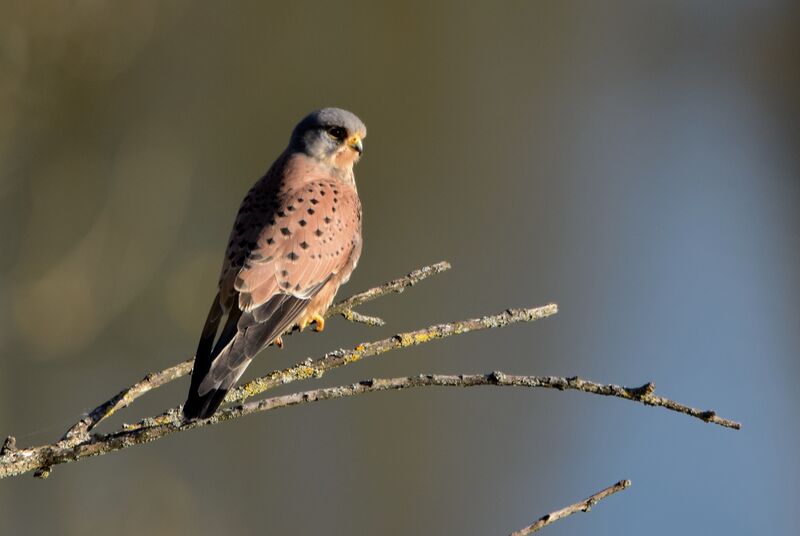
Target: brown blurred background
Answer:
pixel 635 162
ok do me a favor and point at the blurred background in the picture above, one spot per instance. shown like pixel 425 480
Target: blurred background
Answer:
pixel 636 162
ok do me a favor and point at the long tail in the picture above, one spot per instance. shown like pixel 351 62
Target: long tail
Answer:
pixel 218 366
pixel 204 406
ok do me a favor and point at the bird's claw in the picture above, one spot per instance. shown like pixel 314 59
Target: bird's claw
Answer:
pixel 319 322
pixel 317 319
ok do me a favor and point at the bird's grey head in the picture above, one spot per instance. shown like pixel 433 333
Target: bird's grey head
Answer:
pixel 332 135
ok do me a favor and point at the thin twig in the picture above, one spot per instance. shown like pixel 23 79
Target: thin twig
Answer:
pixel 355 316
pixel 124 398
pixel 643 394
pixel 582 506
pixel 42 458
pixel 153 380
pixel 396 286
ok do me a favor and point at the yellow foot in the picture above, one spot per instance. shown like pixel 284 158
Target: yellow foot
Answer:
pixel 316 318
pixel 319 321
pixel 278 342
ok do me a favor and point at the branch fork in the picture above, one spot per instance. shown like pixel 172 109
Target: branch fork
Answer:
pixel 80 441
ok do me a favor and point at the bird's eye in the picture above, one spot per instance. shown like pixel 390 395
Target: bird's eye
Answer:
pixel 337 132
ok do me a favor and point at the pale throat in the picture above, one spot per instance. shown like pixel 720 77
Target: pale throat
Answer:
pixel 342 164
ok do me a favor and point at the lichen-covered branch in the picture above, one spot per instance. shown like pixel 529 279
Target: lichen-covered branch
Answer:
pixel 42 458
pixel 154 380
pixel 79 445
pixel 317 367
pixel 396 286
pixel 80 442
pixel 582 506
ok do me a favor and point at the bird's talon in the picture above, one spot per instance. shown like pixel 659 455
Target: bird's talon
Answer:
pixel 319 321
pixel 279 342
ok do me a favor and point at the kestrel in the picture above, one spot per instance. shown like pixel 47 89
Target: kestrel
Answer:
pixel 296 238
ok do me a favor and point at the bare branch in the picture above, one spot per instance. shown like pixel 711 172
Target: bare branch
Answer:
pixel 78 446
pixel 582 506
pixel 354 316
pixel 157 379
pixel 315 368
pixel 41 459
pixel 396 286
pixel 643 394
pixel 79 443
pixel 124 398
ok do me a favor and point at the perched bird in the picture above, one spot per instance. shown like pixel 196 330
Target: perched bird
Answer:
pixel 296 238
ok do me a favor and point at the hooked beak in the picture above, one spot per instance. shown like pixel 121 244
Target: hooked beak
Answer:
pixel 354 142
